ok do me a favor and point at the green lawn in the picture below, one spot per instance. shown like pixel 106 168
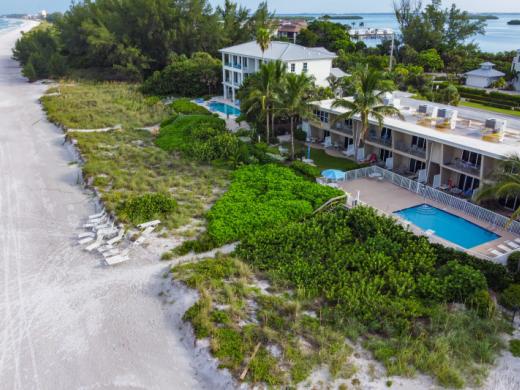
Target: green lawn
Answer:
pixel 488 108
pixel 325 161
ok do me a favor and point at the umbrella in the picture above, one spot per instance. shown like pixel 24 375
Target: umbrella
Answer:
pixel 333 174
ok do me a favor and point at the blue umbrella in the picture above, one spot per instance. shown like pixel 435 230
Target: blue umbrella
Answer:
pixel 333 174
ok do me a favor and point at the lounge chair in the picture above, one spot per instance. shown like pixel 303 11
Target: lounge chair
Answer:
pixel 504 248
pixel 85 240
pixel 96 244
pixel 517 240
pixel 117 238
pixel 98 215
pixel 86 234
pixel 512 244
pixel 495 253
pixel 116 259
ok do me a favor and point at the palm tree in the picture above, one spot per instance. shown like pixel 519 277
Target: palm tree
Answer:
pixel 367 103
pixel 263 38
pixel 261 91
pixel 297 89
pixel 507 183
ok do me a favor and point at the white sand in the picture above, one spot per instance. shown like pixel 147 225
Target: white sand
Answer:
pixel 66 322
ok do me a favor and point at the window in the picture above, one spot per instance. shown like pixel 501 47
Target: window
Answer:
pixel 384 154
pixel 326 133
pixel 386 133
pixel 305 67
pixel 244 62
pixel 348 142
pixel 472 158
pixel 419 142
pixel 227 76
pixel 510 202
pixel 235 77
pixel 416 165
pixel 468 183
pixel 349 123
pixel 322 116
pixel 293 68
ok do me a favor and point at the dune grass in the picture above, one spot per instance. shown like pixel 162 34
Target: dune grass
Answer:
pixel 91 105
pixel 126 164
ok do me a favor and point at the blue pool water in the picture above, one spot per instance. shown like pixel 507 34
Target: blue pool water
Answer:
pixel 223 108
pixel 448 226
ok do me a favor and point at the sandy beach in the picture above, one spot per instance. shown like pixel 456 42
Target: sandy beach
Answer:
pixel 66 321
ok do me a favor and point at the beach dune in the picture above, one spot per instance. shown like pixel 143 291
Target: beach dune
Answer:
pixel 66 321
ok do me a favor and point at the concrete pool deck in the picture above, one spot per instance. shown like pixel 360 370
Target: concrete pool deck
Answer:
pixel 389 198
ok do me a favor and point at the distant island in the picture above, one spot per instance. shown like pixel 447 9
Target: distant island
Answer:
pixel 514 22
pixel 343 17
pixel 483 17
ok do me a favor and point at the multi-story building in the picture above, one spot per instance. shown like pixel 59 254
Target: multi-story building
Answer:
pixel 516 68
pixel 445 147
pixel 289 29
pixel 239 61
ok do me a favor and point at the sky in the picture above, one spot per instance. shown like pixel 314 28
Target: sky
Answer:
pixel 288 6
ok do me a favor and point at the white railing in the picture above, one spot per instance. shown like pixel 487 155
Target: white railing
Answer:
pixel 431 193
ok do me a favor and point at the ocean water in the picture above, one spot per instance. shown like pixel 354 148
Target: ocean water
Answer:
pixel 499 35
pixel 6 24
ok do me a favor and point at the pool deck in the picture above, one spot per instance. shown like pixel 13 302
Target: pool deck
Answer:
pixel 388 198
pixel 231 122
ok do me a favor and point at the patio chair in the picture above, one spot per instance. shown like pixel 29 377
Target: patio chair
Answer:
pixel 116 259
pixel 495 253
pixel 512 244
pixel 504 248
pixel 98 215
pixel 86 234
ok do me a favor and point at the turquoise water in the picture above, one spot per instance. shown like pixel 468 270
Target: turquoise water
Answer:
pixel 225 109
pixel 448 226
pixel 499 35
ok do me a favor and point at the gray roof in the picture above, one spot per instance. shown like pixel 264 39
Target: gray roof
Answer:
pixel 283 51
pixel 338 73
pixel 485 73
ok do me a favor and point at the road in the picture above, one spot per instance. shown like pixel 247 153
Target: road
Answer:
pixel 66 321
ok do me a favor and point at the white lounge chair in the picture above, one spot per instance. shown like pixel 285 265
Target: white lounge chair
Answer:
pixel 117 238
pixel 96 244
pixel 116 259
pixel 111 253
pixel 517 240
pixel 512 244
pixel 98 215
pixel 85 240
pixel 148 224
pixel 86 234
pixel 495 253
pixel 504 248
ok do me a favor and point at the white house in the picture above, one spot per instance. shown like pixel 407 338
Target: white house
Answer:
pixel 483 77
pixel 516 68
pixel 240 61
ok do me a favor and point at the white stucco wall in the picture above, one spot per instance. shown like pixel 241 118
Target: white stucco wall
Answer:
pixel 320 69
pixel 480 82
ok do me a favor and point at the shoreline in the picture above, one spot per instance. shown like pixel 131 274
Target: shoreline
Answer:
pixel 67 322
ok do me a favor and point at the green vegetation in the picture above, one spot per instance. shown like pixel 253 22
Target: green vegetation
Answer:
pixel 514 347
pixel 262 197
pixel 373 278
pixel 513 265
pixel 514 22
pixel 510 297
pixel 199 75
pixel 237 317
pixel 489 108
pixel 186 107
pixel 137 180
pixel 86 105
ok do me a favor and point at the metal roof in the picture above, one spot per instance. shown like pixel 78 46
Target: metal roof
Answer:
pixel 283 51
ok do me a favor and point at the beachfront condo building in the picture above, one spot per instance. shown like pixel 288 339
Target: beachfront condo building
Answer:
pixel 240 61
pixel 515 68
pixel 448 148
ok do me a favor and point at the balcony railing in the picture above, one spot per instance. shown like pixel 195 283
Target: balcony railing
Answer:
pixel 230 65
pixel 344 129
pixel 464 166
pixel 380 140
pixel 412 150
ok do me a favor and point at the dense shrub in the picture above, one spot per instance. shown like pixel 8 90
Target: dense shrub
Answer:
pixel 187 107
pixel 482 303
pixel 510 297
pixel 497 276
pixel 306 170
pixel 38 53
pixel 461 281
pixel 196 76
pixel 263 196
pixel 514 347
pixel 513 265
pixel 147 207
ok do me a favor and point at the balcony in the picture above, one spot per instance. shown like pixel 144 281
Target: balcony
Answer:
pixel 380 140
pixel 464 166
pixel 235 66
pixel 411 150
pixel 344 129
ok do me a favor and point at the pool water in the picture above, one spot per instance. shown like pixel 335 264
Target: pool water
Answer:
pixel 224 108
pixel 448 226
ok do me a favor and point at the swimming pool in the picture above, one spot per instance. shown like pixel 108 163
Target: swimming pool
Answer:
pixel 448 226
pixel 224 108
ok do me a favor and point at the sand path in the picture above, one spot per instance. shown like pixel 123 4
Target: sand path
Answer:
pixel 66 322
